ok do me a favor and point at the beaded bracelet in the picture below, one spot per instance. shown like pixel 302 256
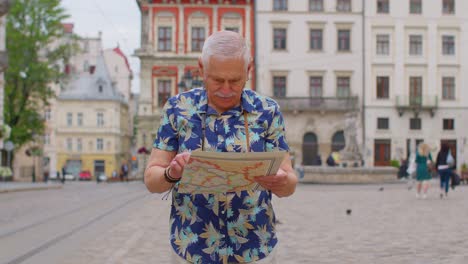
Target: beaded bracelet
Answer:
pixel 167 176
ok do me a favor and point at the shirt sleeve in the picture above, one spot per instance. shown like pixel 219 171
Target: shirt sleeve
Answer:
pixel 275 137
pixel 166 136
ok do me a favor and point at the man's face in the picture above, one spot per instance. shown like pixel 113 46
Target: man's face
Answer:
pixel 224 81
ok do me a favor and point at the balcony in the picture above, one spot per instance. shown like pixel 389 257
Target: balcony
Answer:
pixel 417 104
pixel 322 104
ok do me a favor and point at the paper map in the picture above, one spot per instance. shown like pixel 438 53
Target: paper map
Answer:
pixel 219 172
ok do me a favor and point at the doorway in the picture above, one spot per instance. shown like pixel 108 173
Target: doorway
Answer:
pixel 382 152
pixel 310 150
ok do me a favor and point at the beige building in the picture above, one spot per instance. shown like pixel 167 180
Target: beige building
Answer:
pixel 92 124
pixel 416 77
pixel 309 59
pixel 114 69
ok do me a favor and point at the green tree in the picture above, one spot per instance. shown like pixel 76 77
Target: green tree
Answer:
pixel 36 52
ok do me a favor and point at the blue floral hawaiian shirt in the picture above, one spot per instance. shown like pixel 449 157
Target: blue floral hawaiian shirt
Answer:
pixel 229 227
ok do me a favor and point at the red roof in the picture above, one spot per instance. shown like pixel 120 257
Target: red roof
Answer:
pixel 68 27
pixel 119 51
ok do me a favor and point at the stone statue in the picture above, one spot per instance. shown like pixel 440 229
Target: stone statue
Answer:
pixel 351 153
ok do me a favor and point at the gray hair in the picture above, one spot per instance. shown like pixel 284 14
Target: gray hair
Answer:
pixel 227 45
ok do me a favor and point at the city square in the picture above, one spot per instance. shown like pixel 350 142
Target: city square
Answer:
pixel 371 223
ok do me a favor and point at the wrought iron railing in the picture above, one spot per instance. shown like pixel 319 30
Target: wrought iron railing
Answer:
pixel 417 103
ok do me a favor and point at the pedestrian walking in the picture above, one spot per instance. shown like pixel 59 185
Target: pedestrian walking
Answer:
pixel 444 164
pixel 64 171
pixel 423 164
pixel 232 227
pixel 124 171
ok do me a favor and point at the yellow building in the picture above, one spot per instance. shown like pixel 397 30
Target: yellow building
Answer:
pixel 93 130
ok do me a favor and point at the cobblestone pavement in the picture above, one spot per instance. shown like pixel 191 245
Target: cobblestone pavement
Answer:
pixel 386 224
pixel 27 186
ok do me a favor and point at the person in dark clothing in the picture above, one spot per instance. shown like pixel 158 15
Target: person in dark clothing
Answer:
pixel 444 164
pixel 124 172
pixel 63 174
pixel 331 161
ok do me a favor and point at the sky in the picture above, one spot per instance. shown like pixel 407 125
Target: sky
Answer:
pixel 119 22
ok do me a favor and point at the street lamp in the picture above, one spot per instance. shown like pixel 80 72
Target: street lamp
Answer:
pixel 189 81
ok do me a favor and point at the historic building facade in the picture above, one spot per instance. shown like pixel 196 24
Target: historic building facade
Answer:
pixel 309 59
pixel 416 78
pixel 172 36
pixel 92 123
pixel 87 129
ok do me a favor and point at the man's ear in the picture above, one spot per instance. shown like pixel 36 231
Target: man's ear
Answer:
pixel 249 68
pixel 200 67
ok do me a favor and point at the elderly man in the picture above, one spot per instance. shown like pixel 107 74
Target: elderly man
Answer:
pixel 222 117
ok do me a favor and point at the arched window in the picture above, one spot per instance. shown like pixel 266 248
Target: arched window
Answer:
pixel 232 22
pixel 338 141
pixel 310 150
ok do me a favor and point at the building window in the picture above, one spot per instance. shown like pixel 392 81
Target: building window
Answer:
pixel 280 5
pixel 316 5
pixel 234 29
pixel 79 144
pixel 47 114
pixel 279 38
pixel 86 66
pixel 79 119
pixel 164 91
pixel 69 144
pixel 164 39
pixel 383 6
pixel 448 88
pixel 343 87
pixel 415 96
pixel 315 84
pixel 100 144
pixel 279 86
pixel 382 123
pixel 383 44
pixel 415 45
pixel 46 139
pixel 415 6
pixel 100 88
pixel 100 119
pixel 449 124
pixel 344 36
pixel 338 141
pixel 343 5
pixel 316 39
pixel 415 123
pixel 198 38
pixel 383 84
pixel 69 119
pixel 448 45
pixel 448 7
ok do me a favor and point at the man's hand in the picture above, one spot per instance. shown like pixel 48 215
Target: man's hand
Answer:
pixel 273 182
pixel 283 183
pixel 178 163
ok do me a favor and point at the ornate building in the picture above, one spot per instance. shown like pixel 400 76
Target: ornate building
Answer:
pixel 309 59
pixel 416 78
pixel 172 36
